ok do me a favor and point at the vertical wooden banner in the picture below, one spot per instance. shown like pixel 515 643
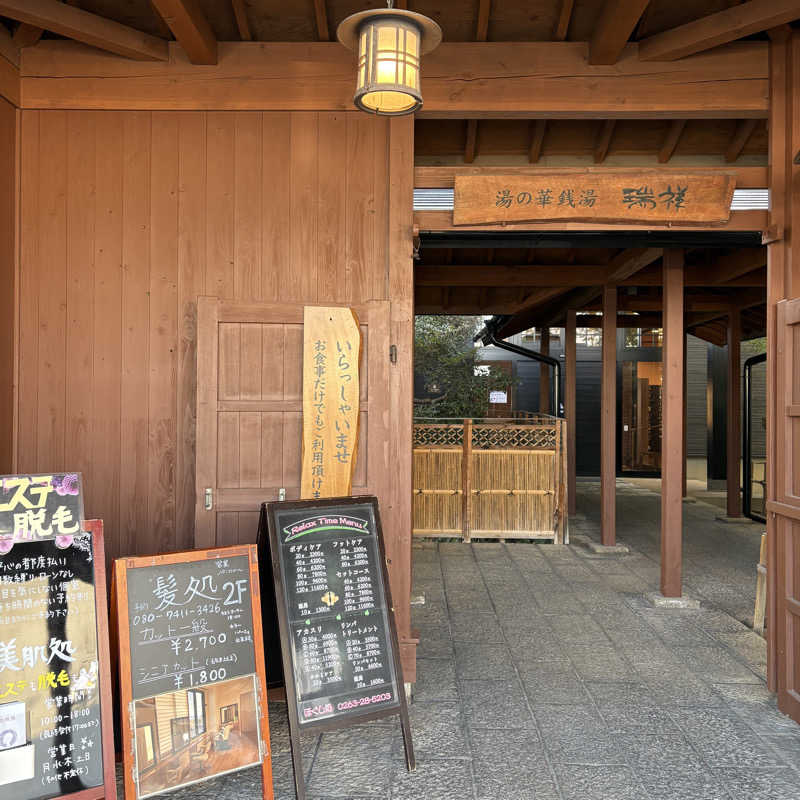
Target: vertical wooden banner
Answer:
pixel 331 355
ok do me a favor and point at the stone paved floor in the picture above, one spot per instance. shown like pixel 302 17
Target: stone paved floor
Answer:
pixel 544 675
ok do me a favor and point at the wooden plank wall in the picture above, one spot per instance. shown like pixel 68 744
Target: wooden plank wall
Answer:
pixel 8 238
pixel 128 216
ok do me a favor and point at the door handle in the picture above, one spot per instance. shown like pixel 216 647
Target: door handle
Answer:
pixel 209 499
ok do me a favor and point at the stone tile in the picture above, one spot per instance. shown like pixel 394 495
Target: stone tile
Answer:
pixel 670 784
pixel 559 603
pixel 532 647
pixel 495 704
pixel 717 664
pixel 749 646
pixel 787 746
pixel 577 735
pixel 511 764
pixel 602 782
pixel 598 663
pixel 554 685
pixel 760 784
pixel 476 627
pixel 438 730
pixel 483 661
pixel 434 642
pixel 577 629
pixel 444 780
pixel 436 680
pixel 465 600
pixel 660 753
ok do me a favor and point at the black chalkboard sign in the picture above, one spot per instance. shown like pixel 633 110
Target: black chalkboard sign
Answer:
pixel 192 681
pixel 339 640
pixel 56 734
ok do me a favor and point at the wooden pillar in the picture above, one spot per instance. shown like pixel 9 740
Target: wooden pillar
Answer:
pixel 734 421
pixel 544 373
pixel 608 421
pixel 570 396
pixel 685 413
pixel 672 425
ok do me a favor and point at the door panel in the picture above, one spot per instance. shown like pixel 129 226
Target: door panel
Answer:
pixel 786 508
pixel 249 413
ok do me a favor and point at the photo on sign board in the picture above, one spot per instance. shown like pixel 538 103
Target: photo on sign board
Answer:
pixel 39 506
pixel 193 734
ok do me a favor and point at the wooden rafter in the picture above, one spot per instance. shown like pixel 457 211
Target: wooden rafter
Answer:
pixel 86 27
pixel 629 262
pixel 190 28
pixel 617 21
pixel 603 140
pixel 744 130
pixel 720 28
pixel 538 130
pixel 27 35
pixel 564 18
pixel 671 139
pixel 242 23
pixel 733 265
pixel 8 48
pixel 471 141
pixel 321 20
pixel 482 28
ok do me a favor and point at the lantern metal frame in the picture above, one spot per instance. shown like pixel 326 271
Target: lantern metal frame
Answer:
pixel 430 35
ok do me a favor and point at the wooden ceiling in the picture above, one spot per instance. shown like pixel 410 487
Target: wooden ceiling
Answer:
pixel 312 20
pixel 535 287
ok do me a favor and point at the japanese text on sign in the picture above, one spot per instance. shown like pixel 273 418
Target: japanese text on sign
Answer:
pixel 331 352
pixel 594 196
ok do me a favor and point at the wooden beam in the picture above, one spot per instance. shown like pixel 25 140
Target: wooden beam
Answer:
pixel 725 26
pixel 564 17
pixel 608 420
pixel 460 80
pixel 444 177
pixel 567 276
pixel 85 27
pixel 732 265
pixel 630 261
pixel 242 23
pixel 471 141
pixel 671 139
pixel 570 404
pixel 538 130
pixel 27 35
pixel 484 12
pixel 744 130
pixel 617 21
pixel 734 414
pixel 603 140
pixel 672 426
pixel 321 19
pixel 9 50
pixel 190 28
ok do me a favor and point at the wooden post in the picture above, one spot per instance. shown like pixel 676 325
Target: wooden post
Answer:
pixel 466 481
pixel 685 414
pixel 544 373
pixel 570 384
pixel 608 422
pixel 672 425
pixel 734 421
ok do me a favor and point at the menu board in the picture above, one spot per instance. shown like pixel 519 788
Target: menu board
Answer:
pixel 56 734
pixel 340 648
pixel 191 674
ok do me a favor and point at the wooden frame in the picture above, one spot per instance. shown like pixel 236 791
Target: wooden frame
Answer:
pixel 333 723
pixel 120 602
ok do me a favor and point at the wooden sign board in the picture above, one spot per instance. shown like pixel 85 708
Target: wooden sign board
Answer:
pixel 38 506
pixel 331 356
pixel 338 634
pixel 191 664
pixel 56 728
pixel 647 196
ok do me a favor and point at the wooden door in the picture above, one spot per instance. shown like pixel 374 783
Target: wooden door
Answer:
pixel 249 412
pixel 786 508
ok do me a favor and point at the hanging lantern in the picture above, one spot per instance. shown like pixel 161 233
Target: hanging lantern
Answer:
pixel 389 42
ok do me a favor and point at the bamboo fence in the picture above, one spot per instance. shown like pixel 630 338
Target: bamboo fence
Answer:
pixel 498 479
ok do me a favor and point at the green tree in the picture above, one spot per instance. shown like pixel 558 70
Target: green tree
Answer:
pixel 449 380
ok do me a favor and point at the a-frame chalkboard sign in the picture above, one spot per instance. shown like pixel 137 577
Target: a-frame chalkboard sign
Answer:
pixel 338 635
